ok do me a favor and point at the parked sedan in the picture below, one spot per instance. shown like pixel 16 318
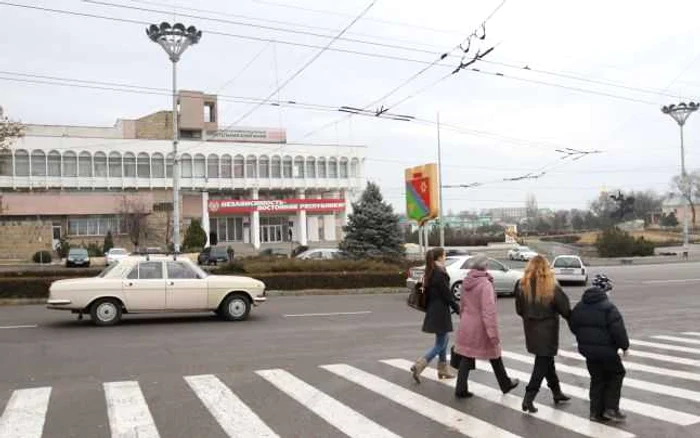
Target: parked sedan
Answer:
pixel 77 257
pixel 322 254
pixel 155 285
pixel 115 254
pixel 570 268
pixel 213 255
pixel 522 253
pixel 505 280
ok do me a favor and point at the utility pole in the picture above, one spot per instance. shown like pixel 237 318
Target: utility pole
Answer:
pixel 441 217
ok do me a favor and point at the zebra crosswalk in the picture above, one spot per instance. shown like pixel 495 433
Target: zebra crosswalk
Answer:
pixel 374 399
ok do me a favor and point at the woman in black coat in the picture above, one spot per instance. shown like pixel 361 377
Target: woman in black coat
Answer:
pixel 438 315
pixel 540 301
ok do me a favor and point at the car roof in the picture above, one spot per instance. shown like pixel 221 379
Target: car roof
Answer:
pixel 567 257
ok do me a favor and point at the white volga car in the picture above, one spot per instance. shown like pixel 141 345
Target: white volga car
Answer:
pixel 505 280
pixel 153 284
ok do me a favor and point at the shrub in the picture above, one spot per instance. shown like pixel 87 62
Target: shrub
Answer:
pixel 54 271
pixel 63 248
pixel 614 242
pixel 299 249
pixel 32 287
pixel 195 237
pixel 331 280
pixel 42 257
pixel 94 250
pixel 273 265
pixel 568 239
pixel 108 243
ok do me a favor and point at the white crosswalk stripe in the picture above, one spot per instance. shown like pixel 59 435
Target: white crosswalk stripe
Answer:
pixel 662 346
pixel 452 418
pixel 629 382
pixel 664 357
pixel 550 415
pixel 350 422
pixel 691 333
pixel 687 375
pixel 234 416
pixel 645 409
pixel 678 339
pixel 129 416
pixel 24 414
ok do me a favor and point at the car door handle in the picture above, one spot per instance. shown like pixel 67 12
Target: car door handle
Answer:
pixel 171 283
pixel 130 283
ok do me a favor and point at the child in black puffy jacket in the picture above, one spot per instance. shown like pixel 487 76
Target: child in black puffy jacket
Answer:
pixel 600 333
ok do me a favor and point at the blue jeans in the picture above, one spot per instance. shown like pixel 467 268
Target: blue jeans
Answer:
pixel 440 348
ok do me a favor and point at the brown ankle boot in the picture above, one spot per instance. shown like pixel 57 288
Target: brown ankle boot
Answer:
pixel 444 371
pixel 418 368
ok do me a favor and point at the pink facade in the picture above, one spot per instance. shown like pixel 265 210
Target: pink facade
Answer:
pixel 65 204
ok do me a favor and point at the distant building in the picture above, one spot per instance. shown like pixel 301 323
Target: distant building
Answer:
pixel 676 205
pixel 249 187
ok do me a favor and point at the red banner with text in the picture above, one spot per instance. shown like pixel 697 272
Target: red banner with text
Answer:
pixel 237 206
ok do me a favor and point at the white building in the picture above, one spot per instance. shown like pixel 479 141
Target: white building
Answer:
pixel 249 186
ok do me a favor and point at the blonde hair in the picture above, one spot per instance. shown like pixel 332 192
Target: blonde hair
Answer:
pixel 538 272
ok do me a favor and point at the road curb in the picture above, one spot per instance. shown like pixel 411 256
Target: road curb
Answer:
pixel 270 293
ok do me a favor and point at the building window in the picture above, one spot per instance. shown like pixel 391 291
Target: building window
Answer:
pixel 310 167
pixel 226 166
pixel 158 165
pixel 213 166
pixel 187 134
pixel 38 163
pixel 332 168
pixel 115 165
pixel 238 166
pixel 322 168
pixel 299 167
pixel 276 169
pixel 200 166
pixel 287 167
pixel 70 164
pixel 85 165
pixel 251 169
pixel 143 165
pixel 22 163
pixel 264 165
pixel 169 166
pixel 355 168
pixel 343 167
pixel 54 164
pixel 186 166
pixel 129 165
pixel 5 163
pixel 100 165
pixel 95 225
pixel 227 229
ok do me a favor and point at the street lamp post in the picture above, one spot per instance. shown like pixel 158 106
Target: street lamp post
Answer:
pixel 680 114
pixel 174 40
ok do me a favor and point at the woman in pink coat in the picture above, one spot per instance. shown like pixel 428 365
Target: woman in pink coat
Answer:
pixel 477 336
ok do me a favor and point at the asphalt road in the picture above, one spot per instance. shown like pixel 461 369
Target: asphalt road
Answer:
pixel 62 376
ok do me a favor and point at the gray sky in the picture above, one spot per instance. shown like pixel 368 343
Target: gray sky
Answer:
pixel 520 118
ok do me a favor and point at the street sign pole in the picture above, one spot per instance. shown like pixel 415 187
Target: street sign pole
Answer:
pixel 441 215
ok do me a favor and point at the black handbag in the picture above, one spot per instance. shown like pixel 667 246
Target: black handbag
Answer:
pixel 417 299
pixel 456 360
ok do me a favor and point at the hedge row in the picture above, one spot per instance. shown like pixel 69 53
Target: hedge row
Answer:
pixel 38 287
pixel 265 266
pixel 52 272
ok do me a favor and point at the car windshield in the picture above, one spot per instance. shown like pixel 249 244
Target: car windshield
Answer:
pixel 200 272
pixel 78 252
pixel 567 262
pixel 451 261
pixel 107 270
pixel 219 250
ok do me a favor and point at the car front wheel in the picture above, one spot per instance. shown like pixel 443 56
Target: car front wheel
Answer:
pixel 457 290
pixel 235 308
pixel 105 312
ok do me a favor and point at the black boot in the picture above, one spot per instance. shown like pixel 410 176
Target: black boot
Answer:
pixel 528 405
pixel 462 387
pixel 559 397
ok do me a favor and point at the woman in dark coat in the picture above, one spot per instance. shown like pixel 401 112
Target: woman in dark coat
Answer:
pixel 540 301
pixel 438 314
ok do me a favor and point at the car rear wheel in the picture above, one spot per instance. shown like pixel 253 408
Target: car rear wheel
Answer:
pixel 235 307
pixel 457 290
pixel 105 312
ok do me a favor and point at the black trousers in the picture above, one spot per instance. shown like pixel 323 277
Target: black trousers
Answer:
pixel 467 364
pixel 544 368
pixel 606 384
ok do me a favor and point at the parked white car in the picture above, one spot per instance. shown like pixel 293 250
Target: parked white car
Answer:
pixel 142 284
pixel 570 268
pixel 522 253
pixel 505 280
pixel 115 254
pixel 321 254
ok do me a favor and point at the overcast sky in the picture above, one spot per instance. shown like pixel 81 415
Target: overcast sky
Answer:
pixel 510 125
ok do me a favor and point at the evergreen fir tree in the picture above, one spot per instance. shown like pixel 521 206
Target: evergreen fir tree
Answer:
pixel 373 227
pixel 195 237
pixel 109 242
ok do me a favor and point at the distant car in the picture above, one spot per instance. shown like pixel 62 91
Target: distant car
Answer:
pixel 77 257
pixel 156 284
pixel 322 254
pixel 570 268
pixel 505 280
pixel 115 254
pixel 213 255
pixel 522 253
pixel 274 252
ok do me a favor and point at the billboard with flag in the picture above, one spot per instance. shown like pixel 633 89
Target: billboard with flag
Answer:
pixel 422 195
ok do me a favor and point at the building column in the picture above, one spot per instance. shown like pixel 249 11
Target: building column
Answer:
pixel 301 221
pixel 255 222
pixel 205 216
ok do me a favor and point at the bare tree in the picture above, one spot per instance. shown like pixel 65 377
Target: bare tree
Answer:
pixel 134 215
pixel 10 130
pixel 683 191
